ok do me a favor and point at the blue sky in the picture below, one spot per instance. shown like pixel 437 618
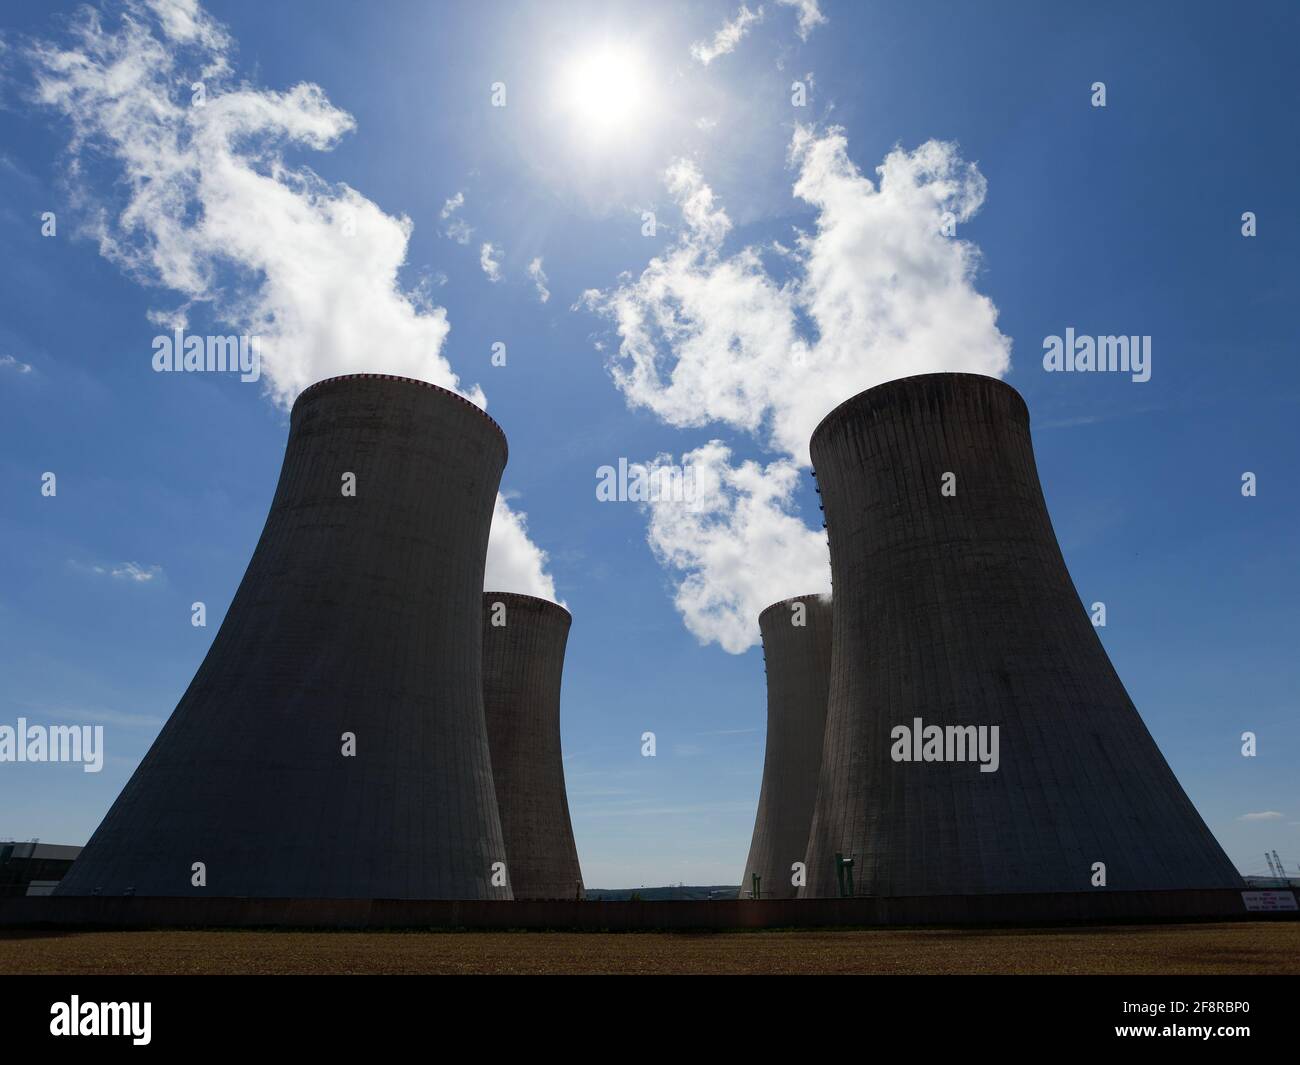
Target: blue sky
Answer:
pixel 1117 220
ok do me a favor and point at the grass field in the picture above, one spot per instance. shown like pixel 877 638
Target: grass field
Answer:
pixel 1241 948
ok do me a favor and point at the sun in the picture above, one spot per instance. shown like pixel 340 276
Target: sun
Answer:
pixel 606 91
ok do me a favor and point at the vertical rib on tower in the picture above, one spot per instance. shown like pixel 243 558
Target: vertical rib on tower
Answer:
pixel 523 662
pixel 959 610
pixel 798 659
pixel 356 615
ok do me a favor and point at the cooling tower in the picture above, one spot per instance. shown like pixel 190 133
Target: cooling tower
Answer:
pixel 332 743
pixel 954 608
pixel 523 660
pixel 797 652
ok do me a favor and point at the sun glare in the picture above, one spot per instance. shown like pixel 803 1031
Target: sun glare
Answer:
pixel 606 91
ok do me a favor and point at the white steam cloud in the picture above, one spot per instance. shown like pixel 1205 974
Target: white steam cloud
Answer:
pixel 452 205
pixel 733 31
pixel 457 228
pixel 514 562
pixel 540 279
pixel 489 258
pixel 727 37
pixel 810 15
pixel 736 544
pixel 214 212
pixel 17 365
pixel 875 291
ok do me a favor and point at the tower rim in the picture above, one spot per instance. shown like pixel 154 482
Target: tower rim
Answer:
pixel 801 598
pixel 880 395
pixel 339 378
pixel 530 598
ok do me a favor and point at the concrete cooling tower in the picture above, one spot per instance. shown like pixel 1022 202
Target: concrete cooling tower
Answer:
pixel 978 739
pixel 332 743
pixel 523 660
pixel 797 652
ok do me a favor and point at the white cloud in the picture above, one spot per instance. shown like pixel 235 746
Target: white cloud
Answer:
pixel 726 39
pixel 457 228
pixel 708 337
pixel 872 292
pixel 122 571
pixel 1263 815
pixel 514 562
pixel 452 205
pixel 491 266
pixel 695 199
pixel 185 22
pixel 538 275
pixel 735 547
pixel 62 711
pixel 133 571
pixel 213 211
pixel 8 362
pixel 810 15
pixel 170 320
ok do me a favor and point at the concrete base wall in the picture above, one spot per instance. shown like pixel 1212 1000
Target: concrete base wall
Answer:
pixel 1105 907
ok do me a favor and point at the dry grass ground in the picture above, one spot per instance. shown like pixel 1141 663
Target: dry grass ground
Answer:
pixel 1160 949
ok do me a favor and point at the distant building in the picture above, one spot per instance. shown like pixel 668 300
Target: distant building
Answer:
pixel 33 868
pixel 1272 883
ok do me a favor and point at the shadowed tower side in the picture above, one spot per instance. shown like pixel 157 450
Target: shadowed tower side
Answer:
pixel 332 743
pixel 524 639
pixel 954 609
pixel 797 652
